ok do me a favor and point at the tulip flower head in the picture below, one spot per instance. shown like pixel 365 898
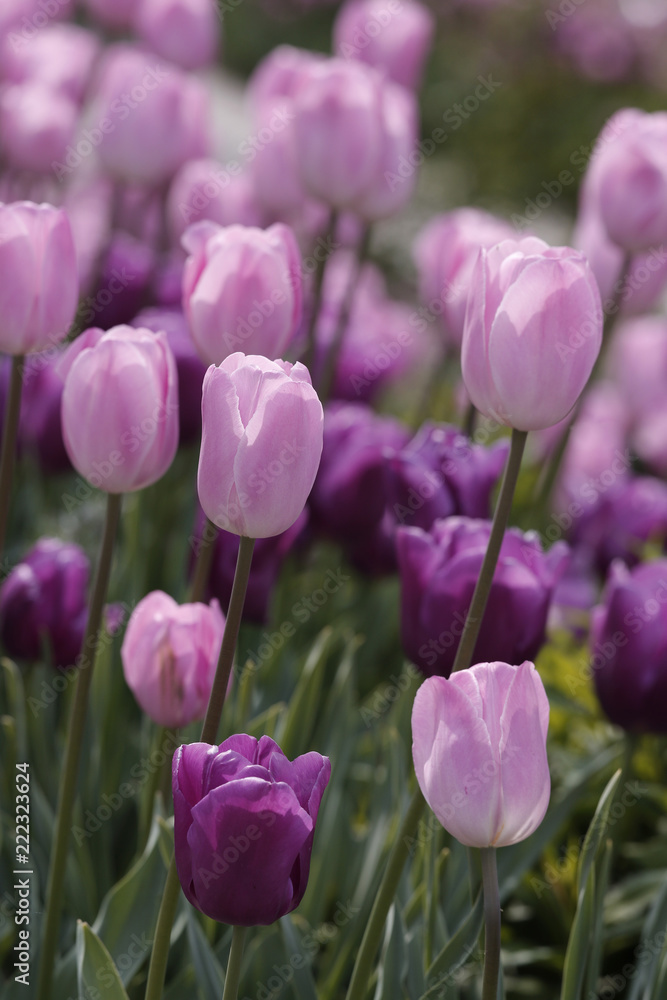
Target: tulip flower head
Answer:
pixel 244 823
pixel 261 444
pixel 533 331
pixel 479 750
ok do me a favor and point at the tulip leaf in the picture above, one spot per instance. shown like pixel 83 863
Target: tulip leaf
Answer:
pixel 457 950
pixel 303 984
pixel 15 702
pixel 578 946
pixel 209 973
pixel 596 831
pixel 393 967
pixel 97 974
pixel 603 870
pixel 302 709
pixel 652 945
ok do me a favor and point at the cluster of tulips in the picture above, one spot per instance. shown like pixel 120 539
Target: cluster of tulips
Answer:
pixel 221 335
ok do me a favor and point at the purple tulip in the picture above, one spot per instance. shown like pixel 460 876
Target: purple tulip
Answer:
pixel 170 653
pixel 127 269
pixel 479 750
pixel 632 171
pixel 439 570
pixel 241 288
pixel 244 823
pixel 348 501
pixel 261 444
pixel 624 520
pixel 120 407
pixel 43 603
pixel 534 311
pixel 440 473
pixel 39 290
pixel 445 253
pixel 40 431
pixel 206 190
pixel 281 74
pixel 118 14
pixel 151 117
pixel 184 31
pixel 267 559
pixel 189 367
pixel 629 647
pixel 394 37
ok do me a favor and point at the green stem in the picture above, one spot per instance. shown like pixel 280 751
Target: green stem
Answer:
pixel 464 653
pixel 331 362
pixel 162 940
pixel 75 734
pixel 8 455
pixel 170 896
pixel 231 990
pixel 309 353
pixel 232 624
pixel 370 942
pixel 202 571
pixel 491 924
pixel 470 421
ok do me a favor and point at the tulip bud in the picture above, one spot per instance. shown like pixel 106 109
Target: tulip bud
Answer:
pixel 244 823
pixel 532 334
pixel 479 750
pixel 261 444
pixel 439 570
pixel 205 190
pixel 184 31
pixel 120 408
pixel 43 603
pixel 170 653
pixel 61 56
pixel 393 37
pixel 39 290
pixel 629 647
pixel 150 117
pixel 241 289
pixel 445 253
pixel 632 172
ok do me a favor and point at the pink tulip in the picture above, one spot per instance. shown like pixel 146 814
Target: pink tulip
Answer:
pixel 117 14
pixel 39 287
pixel 36 125
pixel 241 288
pixel 479 750
pixel 338 130
pixel 169 654
pixel 280 75
pixel 148 117
pixel 445 253
pixel 632 170
pixel 393 36
pixel 61 56
pixel 184 31
pixel 207 190
pixel 120 408
pixel 261 444
pixel 532 334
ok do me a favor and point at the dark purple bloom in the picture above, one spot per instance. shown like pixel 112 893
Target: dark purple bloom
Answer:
pixel 439 570
pixel 629 647
pixel 440 473
pixel 191 369
pixel 632 513
pixel 244 822
pixel 43 603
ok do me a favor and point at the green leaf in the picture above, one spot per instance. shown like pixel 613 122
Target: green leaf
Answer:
pixel 457 950
pixel 393 965
pixel 97 974
pixel 596 831
pixel 603 870
pixel 645 982
pixel 301 712
pixel 578 946
pixel 302 983
pixel 209 973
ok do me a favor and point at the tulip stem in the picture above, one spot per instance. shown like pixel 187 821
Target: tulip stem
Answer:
pixel 370 942
pixel 170 895
pixel 162 939
pixel 471 629
pixel 491 924
pixel 9 432
pixel 209 537
pixel 75 734
pixel 318 285
pixel 231 990
pixel 232 624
